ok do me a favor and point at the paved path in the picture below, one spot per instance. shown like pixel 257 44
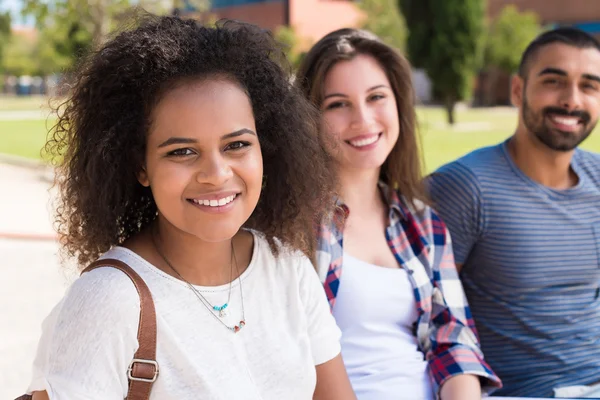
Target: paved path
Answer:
pixel 32 281
pixel 23 115
pixel 25 202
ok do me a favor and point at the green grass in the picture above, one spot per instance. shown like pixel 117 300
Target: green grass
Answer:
pixel 441 143
pixel 23 138
pixel 475 128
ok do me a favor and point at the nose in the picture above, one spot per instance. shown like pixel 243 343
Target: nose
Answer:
pixel 214 169
pixel 361 117
pixel 571 98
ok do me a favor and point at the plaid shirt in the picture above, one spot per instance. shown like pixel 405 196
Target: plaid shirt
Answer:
pixel 421 243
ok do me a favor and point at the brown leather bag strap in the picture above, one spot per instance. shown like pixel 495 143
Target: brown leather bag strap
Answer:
pixel 143 370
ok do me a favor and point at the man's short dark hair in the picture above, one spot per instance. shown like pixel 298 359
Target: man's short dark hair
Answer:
pixel 567 35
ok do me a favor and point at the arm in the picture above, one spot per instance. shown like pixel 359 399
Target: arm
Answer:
pixel 324 335
pixel 461 387
pixel 332 381
pixel 88 340
pixel 454 351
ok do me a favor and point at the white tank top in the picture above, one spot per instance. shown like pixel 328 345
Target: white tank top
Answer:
pixel 375 309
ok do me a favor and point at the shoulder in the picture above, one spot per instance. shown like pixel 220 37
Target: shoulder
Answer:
pixel 465 179
pixel 103 294
pixel 589 162
pixel 480 159
pixel 466 169
pixel 286 260
pixel 589 156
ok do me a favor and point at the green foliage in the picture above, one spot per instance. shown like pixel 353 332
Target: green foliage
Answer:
pixel 45 53
pixel 4 34
pixel 447 43
pixel 287 36
pixel 71 28
pixel 508 37
pixel 417 15
pixel 19 56
pixel 383 18
pixel 161 7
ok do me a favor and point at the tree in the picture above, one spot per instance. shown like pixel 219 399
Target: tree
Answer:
pixel 4 34
pixel 71 28
pixel 507 37
pixel 19 56
pixel 287 36
pixel 417 14
pixel 445 39
pixel 383 18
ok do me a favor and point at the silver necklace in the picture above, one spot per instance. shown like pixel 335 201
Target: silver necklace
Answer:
pixel 206 303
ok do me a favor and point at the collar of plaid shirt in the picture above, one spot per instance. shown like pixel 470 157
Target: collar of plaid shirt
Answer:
pixel 419 240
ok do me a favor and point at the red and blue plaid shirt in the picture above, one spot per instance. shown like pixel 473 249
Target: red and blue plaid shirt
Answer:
pixel 421 243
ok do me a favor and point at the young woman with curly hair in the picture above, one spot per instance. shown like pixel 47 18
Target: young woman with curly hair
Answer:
pixel 386 258
pixel 186 153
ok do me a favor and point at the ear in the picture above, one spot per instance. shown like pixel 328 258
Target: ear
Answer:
pixel 517 85
pixel 142 177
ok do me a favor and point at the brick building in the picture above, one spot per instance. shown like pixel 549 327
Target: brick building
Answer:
pixel 311 19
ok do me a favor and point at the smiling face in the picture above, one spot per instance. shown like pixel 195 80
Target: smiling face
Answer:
pixel 203 159
pixel 560 97
pixel 360 112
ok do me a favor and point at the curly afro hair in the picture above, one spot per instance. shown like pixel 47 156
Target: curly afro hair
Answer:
pixel 98 143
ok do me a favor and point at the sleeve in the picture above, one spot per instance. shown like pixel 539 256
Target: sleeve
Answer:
pixel 323 331
pixel 89 339
pixel 456 194
pixel 454 342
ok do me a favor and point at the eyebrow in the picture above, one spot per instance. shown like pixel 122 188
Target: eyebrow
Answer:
pixel 343 95
pixel 592 77
pixel 557 71
pixel 183 140
pixel 552 71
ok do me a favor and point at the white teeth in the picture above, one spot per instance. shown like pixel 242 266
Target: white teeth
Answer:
pixel 566 121
pixel 364 142
pixel 215 203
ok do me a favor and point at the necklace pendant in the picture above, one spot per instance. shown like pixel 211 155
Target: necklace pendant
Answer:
pixel 237 328
pixel 221 309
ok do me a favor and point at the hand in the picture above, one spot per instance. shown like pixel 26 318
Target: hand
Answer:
pixel 461 387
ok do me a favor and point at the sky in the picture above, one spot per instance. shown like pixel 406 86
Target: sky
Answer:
pixel 14 6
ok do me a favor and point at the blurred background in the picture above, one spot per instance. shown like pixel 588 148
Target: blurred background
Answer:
pixel 463 56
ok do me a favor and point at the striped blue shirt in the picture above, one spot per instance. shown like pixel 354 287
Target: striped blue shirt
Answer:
pixel 531 267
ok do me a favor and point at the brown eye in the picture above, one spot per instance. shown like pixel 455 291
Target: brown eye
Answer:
pixel 181 152
pixel 237 145
pixel 337 104
pixel 376 97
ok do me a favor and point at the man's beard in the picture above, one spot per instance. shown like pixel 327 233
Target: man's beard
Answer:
pixel 553 138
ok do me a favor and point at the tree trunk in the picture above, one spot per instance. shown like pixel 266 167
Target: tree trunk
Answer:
pixel 449 105
pixel 491 95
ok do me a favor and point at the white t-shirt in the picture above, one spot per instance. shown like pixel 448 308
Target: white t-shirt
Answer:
pixel 90 337
pixel 376 310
